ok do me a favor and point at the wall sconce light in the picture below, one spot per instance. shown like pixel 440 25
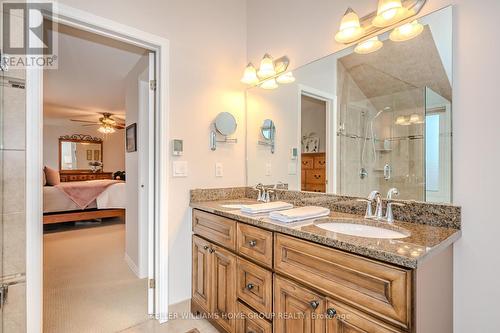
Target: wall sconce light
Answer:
pixel 350 29
pixel 389 12
pixel 270 73
pixel 368 46
pixel 406 31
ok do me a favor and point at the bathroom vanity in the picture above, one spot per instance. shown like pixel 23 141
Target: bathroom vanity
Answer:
pixel 253 274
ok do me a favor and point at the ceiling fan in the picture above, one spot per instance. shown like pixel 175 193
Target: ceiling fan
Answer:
pixel 108 123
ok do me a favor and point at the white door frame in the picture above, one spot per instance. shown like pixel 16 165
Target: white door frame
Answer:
pixel 331 132
pixel 34 160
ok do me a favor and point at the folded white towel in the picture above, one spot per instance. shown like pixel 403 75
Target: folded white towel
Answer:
pixel 299 214
pixel 265 207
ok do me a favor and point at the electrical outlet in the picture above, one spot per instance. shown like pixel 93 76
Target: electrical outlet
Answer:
pixel 219 169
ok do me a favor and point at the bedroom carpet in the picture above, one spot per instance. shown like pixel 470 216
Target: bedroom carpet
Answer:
pixel 88 286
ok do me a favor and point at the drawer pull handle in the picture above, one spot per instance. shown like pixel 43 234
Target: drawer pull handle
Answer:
pixel 252 243
pixel 314 304
pixel 211 250
pixel 250 286
pixel 205 247
pixel 331 312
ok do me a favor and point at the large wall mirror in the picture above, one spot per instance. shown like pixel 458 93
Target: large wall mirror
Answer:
pixel 80 153
pixel 362 122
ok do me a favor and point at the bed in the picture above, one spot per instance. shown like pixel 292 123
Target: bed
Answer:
pixel 59 207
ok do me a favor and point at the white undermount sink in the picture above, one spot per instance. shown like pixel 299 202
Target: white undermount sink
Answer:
pixel 361 230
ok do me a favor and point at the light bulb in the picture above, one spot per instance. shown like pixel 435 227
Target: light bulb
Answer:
pixel 350 29
pixel 406 31
pixel 389 12
pixel 250 75
pixel 286 78
pixel 402 120
pixel 269 84
pixel 105 129
pixel 266 68
pixel 415 119
pixel 368 46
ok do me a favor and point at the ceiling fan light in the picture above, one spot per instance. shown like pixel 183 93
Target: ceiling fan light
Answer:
pixel 368 46
pixel 389 12
pixel 106 129
pixel 266 68
pixel 350 28
pixel 250 75
pixel 406 31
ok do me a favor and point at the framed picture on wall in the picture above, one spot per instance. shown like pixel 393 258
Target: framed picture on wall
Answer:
pixel 89 155
pixel 97 155
pixel 131 138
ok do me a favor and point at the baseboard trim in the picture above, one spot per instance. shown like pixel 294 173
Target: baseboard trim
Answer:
pixel 182 308
pixel 133 267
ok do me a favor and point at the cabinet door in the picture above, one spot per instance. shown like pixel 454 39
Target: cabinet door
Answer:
pixel 223 274
pixel 201 284
pixel 345 319
pixel 297 309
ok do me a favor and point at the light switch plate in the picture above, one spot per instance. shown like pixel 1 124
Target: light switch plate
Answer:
pixel 180 169
pixel 219 169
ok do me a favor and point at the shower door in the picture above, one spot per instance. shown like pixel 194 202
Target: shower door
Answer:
pixel 381 144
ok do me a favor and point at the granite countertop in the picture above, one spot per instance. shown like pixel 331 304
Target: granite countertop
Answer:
pixel 410 252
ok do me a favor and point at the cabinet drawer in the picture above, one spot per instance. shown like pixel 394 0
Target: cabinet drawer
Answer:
pixel 82 177
pixel 91 177
pixel 376 288
pixel 250 321
pixel 315 188
pixel 307 162
pixel 215 228
pixel 255 243
pixel 254 286
pixel 73 177
pixel 319 162
pixel 348 319
pixel 315 176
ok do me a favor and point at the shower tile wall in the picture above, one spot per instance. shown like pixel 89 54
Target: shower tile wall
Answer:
pixel 13 224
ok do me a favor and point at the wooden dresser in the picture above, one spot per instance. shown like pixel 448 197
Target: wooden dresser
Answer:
pixel 76 176
pixel 313 171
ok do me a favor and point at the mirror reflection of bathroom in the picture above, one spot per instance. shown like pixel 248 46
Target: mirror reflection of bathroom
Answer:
pixel 313 142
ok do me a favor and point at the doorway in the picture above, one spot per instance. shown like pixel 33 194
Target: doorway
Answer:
pixel 158 185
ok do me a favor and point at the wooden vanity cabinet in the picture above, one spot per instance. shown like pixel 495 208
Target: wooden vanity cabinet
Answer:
pixel 249 279
pixel 214 283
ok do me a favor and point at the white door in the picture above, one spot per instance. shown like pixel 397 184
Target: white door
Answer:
pixel 146 144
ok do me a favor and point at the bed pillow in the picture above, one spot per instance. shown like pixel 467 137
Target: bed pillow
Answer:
pixel 52 176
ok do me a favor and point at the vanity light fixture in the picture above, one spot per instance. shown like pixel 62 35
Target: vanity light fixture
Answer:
pixel 406 31
pixel 368 46
pixel 250 75
pixel 409 120
pixel 350 28
pixel 389 12
pixel 286 78
pixel 266 68
pixel 269 84
pixel 270 73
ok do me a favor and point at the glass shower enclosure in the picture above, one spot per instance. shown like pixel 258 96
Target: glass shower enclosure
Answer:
pixel 400 140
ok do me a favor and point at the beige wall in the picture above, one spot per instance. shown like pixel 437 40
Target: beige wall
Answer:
pixel 207 54
pixel 475 124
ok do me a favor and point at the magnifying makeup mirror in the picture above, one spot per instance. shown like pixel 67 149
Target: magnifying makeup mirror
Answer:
pixel 268 131
pixel 224 124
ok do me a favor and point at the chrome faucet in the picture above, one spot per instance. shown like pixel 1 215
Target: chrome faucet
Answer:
pixel 260 187
pixel 389 216
pixel 372 196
